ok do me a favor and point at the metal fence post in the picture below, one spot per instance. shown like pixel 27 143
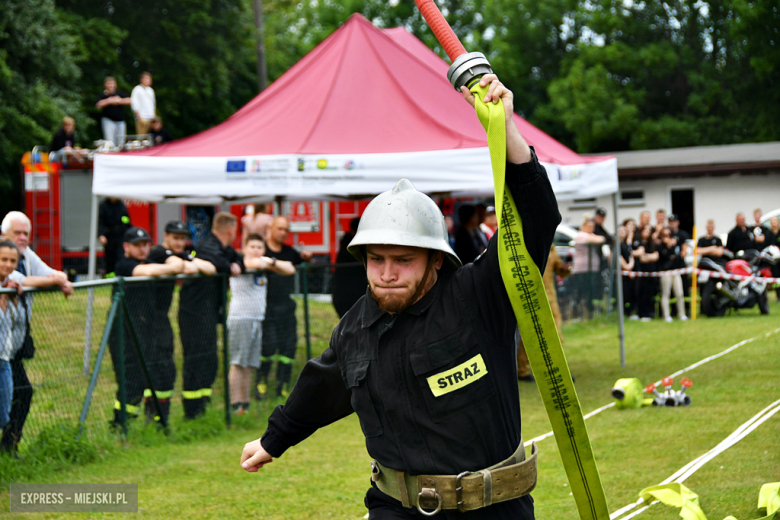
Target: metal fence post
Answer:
pixel 225 348
pixel 305 285
pixel 120 358
pixel 99 360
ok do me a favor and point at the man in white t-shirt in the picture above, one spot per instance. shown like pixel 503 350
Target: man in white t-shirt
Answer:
pixel 143 103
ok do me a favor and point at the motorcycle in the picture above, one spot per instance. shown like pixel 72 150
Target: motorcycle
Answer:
pixel 721 294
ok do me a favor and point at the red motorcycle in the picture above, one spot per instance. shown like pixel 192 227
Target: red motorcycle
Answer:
pixel 720 294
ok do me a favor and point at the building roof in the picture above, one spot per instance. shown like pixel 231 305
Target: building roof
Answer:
pixel 699 160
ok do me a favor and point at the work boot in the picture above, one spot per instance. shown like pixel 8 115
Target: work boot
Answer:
pixel 151 410
pixel 282 391
pixel 261 390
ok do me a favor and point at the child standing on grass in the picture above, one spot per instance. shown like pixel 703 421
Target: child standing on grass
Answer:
pixel 13 323
pixel 245 318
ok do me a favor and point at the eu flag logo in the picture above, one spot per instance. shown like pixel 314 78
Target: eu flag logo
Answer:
pixel 236 166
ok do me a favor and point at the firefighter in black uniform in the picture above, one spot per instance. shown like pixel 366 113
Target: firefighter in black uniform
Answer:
pixel 200 308
pixel 139 298
pixel 427 358
pixel 160 359
pixel 113 221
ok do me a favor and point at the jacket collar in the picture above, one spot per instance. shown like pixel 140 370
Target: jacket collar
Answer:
pixel 372 312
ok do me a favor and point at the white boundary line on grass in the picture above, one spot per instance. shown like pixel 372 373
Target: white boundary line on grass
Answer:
pixel 689 469
pixel 679 372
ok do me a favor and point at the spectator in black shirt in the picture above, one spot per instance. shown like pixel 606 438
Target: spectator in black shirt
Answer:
pixel 280 338
pixel 113 221
pixel 160 359
pixel 200 308
pixel 139 299
pixel 64 142
pixel 773 239
pixel 627 263
pixel 349 283
pixel 740 238
pixel 598 219
pixel 111 103
pixel 647 256
pixel 159 133
pixel 711 246
pixel 670 257
pixel 759 231
pixel 470 241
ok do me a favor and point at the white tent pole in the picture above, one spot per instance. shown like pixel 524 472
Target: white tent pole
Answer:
pixel 619 283
pixel 93 230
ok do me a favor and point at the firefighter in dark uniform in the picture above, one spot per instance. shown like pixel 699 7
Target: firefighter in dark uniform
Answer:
pixel 160 359
pixel 200 308
pixel 427 358
pixel 113 221
pixel 139 299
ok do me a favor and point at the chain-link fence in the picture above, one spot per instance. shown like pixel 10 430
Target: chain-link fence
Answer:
pixel 181 351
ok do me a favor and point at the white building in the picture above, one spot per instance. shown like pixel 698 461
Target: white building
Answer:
pixel 696 183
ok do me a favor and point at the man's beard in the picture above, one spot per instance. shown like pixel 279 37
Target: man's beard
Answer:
pixel 395 303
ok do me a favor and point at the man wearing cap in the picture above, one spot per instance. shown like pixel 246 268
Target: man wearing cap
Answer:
pixel 140 301
pixel 160 359
pixel 427 357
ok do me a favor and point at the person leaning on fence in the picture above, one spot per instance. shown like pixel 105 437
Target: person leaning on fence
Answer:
pixel 13 325
pixel 200 310
pixel 280 338
pixel 140 302
pixel 160 360
pixel 245 318
pixel 645 253
pixel 670 256
pixel 426 359
pixel 555 268
pixel 16 227
pixel 587 264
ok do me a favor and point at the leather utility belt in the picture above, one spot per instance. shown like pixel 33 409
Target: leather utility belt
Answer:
pixel 506 480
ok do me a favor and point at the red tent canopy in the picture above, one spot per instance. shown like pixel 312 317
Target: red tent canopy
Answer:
pixel 364 99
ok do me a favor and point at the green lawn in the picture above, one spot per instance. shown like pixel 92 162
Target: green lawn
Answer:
pixel 194 473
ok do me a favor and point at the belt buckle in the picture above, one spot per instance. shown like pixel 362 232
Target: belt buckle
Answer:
pixel 375 471
pixel 429 487
pixel 459 490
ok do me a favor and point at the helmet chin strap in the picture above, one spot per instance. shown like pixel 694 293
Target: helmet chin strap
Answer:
pixel 430 270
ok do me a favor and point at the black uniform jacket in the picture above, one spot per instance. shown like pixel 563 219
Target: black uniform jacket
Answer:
pixel 458 339
pixel 200 295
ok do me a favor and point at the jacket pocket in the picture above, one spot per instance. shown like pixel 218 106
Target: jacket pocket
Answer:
pixel 355 375
pixel 452 374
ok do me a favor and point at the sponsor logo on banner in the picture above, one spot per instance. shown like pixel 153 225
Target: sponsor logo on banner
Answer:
pixel 568 174
pixel 301 164
pixel 349 165
pixel 236 166
pixel 256 166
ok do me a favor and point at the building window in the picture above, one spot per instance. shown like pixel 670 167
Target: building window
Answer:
pixel 632 198
pixel 583 204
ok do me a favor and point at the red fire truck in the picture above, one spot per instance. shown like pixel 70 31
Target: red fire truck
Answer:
pixel 57 198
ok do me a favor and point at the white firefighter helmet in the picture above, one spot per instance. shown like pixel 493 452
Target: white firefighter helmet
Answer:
pixel 403 216
pixel 771 254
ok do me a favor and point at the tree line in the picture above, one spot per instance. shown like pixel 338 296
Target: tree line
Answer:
pixel 598 75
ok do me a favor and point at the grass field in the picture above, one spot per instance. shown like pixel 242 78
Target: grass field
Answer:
pixel 194 473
